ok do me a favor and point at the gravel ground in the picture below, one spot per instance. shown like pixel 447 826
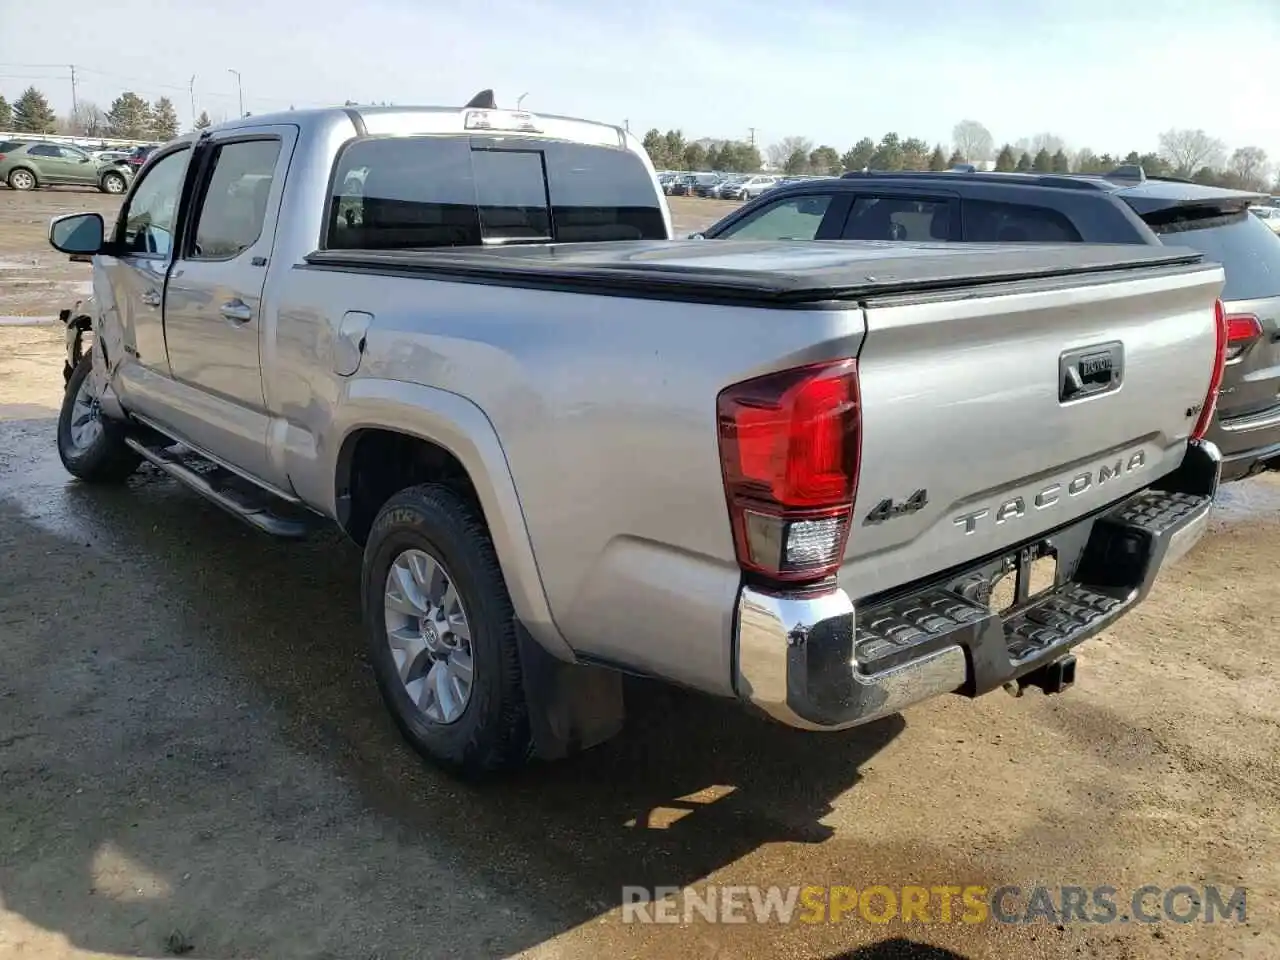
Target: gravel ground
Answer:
pixel 193 758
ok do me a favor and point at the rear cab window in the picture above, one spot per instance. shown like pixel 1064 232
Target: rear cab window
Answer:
pixel 431 191
pixel 1245 246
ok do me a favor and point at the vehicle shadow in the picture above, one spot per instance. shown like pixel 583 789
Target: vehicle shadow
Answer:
pixel 221 714
pixel 899 948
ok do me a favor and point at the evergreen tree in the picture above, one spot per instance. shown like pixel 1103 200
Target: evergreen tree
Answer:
pixel 129 117
pixel 164 120
pixel 32 113
pixel 202 121
pixel 6 114
pixel 1006 162
pixel 938 159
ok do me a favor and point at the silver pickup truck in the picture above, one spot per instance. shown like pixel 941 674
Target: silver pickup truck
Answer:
pixel 830 480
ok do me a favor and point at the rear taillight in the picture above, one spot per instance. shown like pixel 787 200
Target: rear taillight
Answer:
pixel 789 451
pixel 1243 329
pixel 1221 337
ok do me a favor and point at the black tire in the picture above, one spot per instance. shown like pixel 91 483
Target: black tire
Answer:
pixel 20 178
pixel 107 459
pixel 492 733
pixel 113 183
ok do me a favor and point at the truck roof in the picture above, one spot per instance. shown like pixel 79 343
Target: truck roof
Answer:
pixel 759 272
pixel 408 120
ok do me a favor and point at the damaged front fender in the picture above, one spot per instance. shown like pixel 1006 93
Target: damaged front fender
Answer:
pixel 78 320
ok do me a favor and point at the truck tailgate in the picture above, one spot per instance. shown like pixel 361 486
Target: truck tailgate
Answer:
pixel 989 420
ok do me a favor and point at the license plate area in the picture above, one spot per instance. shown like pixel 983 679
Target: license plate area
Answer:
pixel 1025 576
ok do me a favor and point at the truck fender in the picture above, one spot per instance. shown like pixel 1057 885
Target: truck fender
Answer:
pixel 458 425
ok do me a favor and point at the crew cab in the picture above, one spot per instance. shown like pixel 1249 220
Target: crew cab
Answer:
pixel 830 480
pixel 1124 206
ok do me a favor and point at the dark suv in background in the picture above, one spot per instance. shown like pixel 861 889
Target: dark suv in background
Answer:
pixel 1124 206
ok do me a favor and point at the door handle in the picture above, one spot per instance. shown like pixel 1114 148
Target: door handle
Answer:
pixel 236 311
pixel 151 298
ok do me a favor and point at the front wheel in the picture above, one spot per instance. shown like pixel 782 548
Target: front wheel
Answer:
pixel 91 447
pixel 22 180
pixel 113 183
pixel 441 633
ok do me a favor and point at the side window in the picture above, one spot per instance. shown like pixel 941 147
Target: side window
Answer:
pixel 898 218
pixel 511 194
pixel 147 221
pixel 989 222
pixel 44 150
pixel 70 153
pixel 395 193
pixel 795 218
pixel 234 206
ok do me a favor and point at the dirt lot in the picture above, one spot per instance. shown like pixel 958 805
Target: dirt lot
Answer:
pixel 193 759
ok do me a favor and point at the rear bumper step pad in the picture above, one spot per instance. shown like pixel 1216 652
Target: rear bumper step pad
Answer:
pixel 819 663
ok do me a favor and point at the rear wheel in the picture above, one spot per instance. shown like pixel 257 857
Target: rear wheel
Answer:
pixel 91 447
pixel 22 179
pixel 442 634
pixel 113 183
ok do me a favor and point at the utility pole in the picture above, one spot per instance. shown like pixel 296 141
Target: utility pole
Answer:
pixel 626 125
pixel 74 104
pixel 752 132
pixel 192 87
pixel 239 87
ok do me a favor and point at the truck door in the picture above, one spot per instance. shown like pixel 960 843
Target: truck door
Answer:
pixel 213 313
pixel 129 282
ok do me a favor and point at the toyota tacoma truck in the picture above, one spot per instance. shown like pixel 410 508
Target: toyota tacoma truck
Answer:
pixel 828 479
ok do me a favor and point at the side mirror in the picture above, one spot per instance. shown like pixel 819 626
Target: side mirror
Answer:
pixel 77 233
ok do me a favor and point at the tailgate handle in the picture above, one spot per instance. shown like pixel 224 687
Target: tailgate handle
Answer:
pixel 1090 371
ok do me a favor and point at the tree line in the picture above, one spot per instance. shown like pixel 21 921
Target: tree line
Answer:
pixel 130 117
pixel 1183 154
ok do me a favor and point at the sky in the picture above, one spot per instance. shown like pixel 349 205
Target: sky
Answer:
pixel 1110 75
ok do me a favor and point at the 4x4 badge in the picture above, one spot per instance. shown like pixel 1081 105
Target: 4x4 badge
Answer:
pixel 887 509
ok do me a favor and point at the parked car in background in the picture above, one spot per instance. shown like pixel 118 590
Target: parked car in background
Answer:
pixel 1124 206
pixel 110 156
pixel 138 156
pixel 28 166
pixel 1269 215
pixel 459 377
pixel 750 187
pixel 711 188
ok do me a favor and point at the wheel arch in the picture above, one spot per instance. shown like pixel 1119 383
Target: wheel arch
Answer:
pixel 394 434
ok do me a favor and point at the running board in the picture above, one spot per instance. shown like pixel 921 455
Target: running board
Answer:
pixel 232 493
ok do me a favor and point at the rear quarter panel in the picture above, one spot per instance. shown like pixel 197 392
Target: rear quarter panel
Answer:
pixel 605 410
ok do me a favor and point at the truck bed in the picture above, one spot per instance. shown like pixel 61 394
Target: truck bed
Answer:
pixel 764 273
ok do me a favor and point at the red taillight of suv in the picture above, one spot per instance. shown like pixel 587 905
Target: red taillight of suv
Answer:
pixel 790 445
pixel 1242 330
pixel 1222 339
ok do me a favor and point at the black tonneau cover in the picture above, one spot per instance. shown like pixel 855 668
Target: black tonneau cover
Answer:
pixel 759 272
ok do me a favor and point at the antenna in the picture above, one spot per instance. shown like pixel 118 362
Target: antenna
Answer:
pixel 482 101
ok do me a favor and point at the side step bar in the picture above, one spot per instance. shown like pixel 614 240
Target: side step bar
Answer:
pixel 238 497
